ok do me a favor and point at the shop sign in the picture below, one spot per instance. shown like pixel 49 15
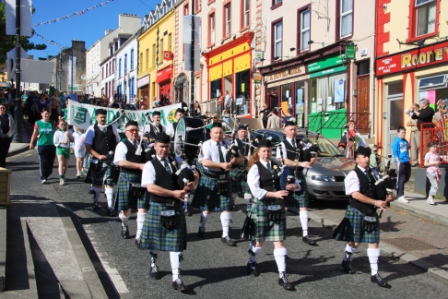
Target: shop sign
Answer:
pixel 143 81
pixel 414 59
pixel 257 77
pixel 326 63
pixel 327 72
pixel 350 52
pixel 164 74
pixel 285 74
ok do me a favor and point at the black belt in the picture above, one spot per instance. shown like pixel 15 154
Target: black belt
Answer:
pixel 212 175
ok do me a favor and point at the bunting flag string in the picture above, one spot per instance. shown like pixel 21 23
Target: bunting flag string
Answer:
pixel 79 13
pixel 51 42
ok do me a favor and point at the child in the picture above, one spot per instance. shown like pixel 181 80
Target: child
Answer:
pixel 432 161
pixel 79 150
pixel 61 140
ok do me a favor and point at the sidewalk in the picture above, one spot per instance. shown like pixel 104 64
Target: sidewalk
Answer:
pixel 17 148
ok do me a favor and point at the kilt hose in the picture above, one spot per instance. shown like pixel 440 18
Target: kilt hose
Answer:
pixel 207 197
pixel 298 199
pixel 350 229
pixel 122 199
pixel 258 228
pixel 156 237
pixel 238 180
pixel 100 173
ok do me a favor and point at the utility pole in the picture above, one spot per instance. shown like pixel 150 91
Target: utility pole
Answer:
pixel 192 59
pixel 18 102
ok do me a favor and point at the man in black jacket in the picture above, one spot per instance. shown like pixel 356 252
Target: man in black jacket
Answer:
pixel 424 120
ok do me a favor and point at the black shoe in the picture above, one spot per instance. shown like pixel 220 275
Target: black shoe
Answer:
pixel 111 213
pixel 379 281
pixel 91 191
pixel 137 243
pixel 252 269
pixel 308 241
pixel 201 232
pixel 125 232
pixel 187 213
pixel 347 267
pixel 178 285
pixel 283 281
pixel 228 241
pixel 96 206
pixel 154 272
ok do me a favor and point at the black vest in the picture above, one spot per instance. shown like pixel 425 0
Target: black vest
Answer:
pixel 291 153
pixel 366 188
pixel 243 147
pixel 165 180
pixel 152 131
pixel 104 142
pixel 132 157
pixel 268 180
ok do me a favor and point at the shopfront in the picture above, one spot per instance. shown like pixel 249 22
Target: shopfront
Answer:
pixel 163 79
pixel 143 88
pixel 412 75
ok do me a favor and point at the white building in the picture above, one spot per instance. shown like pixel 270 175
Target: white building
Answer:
pixel 95 56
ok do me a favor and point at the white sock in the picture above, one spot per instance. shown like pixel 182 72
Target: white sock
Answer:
pixel 124 219
pixel 279 255
pixel 204 218
pixel 348 252
pixel 373 254
pixel 175 264
pixel 140 221
pixel 304 221
pixel 110 196
pixel 97 193
pixel 254 251
pixel 226 217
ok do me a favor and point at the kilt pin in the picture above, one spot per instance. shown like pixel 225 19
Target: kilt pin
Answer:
pixel 122 199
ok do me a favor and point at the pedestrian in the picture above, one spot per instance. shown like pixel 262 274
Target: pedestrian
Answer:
pixel 265 111
pixel 228 102
pixel 274 121
pixel 266 220
pixel 351 139
pixel 424 118
pixel 61 140
pixel 375 158
pixel 287 116
pixel 43 132
pixel 101 141
pixel 129 194
pixel 400 153
pixel 214 190
pixel 291 155
pixel 196 109
pixel 361 223
pixel 165 227
pixel 55 111
pixel 439 120
pixel 226 116
pixel 415 135
pixel 79 150
pixel 433 161
pixel 7 130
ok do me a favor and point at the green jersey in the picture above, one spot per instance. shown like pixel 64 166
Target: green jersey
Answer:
pixel 45 132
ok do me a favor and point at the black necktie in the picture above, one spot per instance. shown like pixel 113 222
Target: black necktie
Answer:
pixel 160 128
pixel 369 176
pixel 294 143
pixel 221 156
pixel 167 166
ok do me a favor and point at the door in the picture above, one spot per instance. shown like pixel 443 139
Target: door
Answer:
pixel 394 120
pixel 363 105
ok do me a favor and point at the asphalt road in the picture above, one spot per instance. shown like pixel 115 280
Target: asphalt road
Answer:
pixel 212 269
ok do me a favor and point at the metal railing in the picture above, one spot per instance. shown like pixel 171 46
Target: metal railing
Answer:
pixel 438 135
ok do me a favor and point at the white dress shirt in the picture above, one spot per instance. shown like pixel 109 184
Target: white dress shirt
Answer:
pixel 210 152
pixel 121 150
pixel 283 148
pixel 253 180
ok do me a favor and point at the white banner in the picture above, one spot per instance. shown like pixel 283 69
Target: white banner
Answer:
pixel 83 115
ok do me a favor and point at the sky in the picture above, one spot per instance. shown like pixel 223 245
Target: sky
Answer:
pixel 88 27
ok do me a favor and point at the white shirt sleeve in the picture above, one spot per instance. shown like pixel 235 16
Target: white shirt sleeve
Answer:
pixel 253 180
pixel 120 152
pixel 351 183
pixel 148 174
pixel 56 138
pixel 283 148
pixel 90 134
pixel 117 136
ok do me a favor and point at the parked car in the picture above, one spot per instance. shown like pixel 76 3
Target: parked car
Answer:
pixel 325 180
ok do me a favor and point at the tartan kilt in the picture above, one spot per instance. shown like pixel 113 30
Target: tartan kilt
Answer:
pixel 101 173
pixel 122 201
pixel 238 180
pixel 350 229
pixel 156 237
pixel 258 228
pixel 297 199
pixel 207 198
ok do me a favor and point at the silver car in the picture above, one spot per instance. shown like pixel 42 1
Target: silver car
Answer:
pixel 325 180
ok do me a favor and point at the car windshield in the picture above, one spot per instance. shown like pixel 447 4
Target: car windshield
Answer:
pixel 227 129
pixel 326 148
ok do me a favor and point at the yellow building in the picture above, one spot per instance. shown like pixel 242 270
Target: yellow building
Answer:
pixel 155 54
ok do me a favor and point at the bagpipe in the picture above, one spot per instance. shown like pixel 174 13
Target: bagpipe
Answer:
pixel 386 184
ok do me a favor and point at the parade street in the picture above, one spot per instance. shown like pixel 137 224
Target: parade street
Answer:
pixel 210 268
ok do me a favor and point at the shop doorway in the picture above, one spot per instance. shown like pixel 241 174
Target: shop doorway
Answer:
pixel 394 114
pixel 363 105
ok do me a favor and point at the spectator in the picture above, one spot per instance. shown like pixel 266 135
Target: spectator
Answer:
pixel 375 158
pixel 155 103
pixel 55 110
pixel 264 112
pixel 226 116
pixel 400 152
pixel 424 120
pixel 439 120
pixel 274 121
pixel 197 108
pixel 228 102
pixel 7 130
pixel 351 140
pixel 415 142
pixel 143 106
pixel 287 116
pixel 220 104
pixel 432 161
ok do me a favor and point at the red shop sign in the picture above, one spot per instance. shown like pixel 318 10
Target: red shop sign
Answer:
pixel 164 74
pixel 420 57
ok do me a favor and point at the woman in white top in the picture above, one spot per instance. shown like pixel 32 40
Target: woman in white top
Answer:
pixel 61 140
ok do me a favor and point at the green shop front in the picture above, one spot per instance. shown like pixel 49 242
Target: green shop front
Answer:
pixel 328 95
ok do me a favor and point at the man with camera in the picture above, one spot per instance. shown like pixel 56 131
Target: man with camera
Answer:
pixel 101 141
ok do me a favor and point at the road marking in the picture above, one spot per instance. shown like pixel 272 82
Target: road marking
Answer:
pixel 115 277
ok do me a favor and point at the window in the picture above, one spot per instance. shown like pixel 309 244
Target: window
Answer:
pixel 125 66
pixel 346 18
pixel 227 18
pixel 277 30
pixel 425 12
pixel 276 2
pixel 119 68
pixel 140 62
pixel 132 60
pixel 305 29
pixel 211 26
pixel 198 5
pixel 161 51
pixel 153 55
pixel 147 58
pixel 186 13
pixel 246 13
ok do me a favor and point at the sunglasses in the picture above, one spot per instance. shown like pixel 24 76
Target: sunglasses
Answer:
pixel 133 131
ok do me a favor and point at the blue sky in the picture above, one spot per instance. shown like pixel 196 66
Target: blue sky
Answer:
pixel 88 27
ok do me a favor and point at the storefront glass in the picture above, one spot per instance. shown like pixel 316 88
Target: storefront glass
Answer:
pixel 286 98
pixel 330 93
pixel 242 93
pixel 300 109
pixel 216 88
pixel 433 88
